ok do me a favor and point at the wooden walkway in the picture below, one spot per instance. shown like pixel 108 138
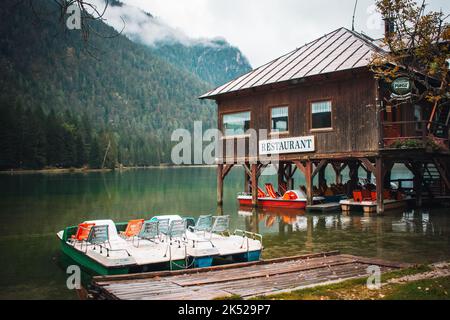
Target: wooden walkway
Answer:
pixel 246 279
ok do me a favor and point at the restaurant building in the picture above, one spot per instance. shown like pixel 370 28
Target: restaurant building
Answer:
pixel 324 107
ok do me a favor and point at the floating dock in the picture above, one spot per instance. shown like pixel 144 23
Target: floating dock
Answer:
pixel 246 280
pixel 371 206
pixel 324 207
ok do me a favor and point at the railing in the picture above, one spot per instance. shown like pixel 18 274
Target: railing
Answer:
pixel 415 134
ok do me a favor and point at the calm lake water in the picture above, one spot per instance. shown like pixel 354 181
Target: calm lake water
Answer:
pixel 33 207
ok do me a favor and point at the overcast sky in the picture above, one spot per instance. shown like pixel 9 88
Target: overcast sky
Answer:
pixel 266 29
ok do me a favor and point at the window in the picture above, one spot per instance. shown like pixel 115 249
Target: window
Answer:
pixel 280 116
pixel 321 115
pixel 418 117
pixel 236 123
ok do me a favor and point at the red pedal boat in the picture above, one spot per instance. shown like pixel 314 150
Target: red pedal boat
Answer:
pixel 292 199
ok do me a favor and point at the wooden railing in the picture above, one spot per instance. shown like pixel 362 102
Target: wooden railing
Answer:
pixel 409 134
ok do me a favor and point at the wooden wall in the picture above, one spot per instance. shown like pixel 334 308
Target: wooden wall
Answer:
pixel 353 97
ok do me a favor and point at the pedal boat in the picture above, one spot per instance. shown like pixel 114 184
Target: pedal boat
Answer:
pixel 292 199
pixel 195 248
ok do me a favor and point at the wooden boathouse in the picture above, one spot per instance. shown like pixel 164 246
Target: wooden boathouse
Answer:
pixel 325 91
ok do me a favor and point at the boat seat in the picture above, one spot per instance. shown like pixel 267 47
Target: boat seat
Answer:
pixel 204 223
pixel 271 191
pixel 149 232
pixel 177 233
pixel 82 231
pixel 99 237
pixel 221 224
pixel 133 228
pixel 163 226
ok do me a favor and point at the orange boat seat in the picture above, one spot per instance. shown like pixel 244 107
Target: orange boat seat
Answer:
pixel 133 228
pixel 386 195
pixel 83 231
pixel 271 191
pixel 261 193
pixel 361 195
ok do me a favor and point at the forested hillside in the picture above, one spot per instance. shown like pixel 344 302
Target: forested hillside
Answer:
pixel 213 60
pixel 64 102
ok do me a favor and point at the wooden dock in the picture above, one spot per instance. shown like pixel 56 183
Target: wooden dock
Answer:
pixel 324 207
pixel 245 279
pixel 371 206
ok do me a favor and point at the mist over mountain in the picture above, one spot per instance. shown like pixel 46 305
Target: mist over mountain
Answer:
pixel 213 60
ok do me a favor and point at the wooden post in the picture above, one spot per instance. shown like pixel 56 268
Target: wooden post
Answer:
pixel 309 182
pixel 280 176
pixel 337 167
pixel 219 184
pixel 254 178
pixel 247 182
pixel 418 181
pixel 379 176
pixel 353 173
pixel 322 180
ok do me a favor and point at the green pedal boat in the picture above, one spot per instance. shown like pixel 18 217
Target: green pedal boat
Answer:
pixel 161 243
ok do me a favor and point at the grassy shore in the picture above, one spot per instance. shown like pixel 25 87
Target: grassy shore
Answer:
pixel 87 170
pixel 418 283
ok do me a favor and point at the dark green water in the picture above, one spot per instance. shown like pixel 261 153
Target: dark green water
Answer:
pixel 33 207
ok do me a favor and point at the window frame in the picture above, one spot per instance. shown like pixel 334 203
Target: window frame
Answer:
pixel 328 129
pixel 237 111
pixel 281 133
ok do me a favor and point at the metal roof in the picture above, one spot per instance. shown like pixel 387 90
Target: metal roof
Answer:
pixel 339 50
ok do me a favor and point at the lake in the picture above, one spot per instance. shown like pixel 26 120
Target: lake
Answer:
pixel 33 207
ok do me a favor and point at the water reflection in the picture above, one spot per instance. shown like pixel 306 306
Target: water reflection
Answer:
pixel 397 235
pixel 34 207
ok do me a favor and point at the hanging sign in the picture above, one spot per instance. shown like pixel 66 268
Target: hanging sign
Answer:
pixel 401 86
pixel 288 145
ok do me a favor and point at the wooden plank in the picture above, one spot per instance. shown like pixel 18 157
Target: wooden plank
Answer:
pixel 133 277
pixel 246 281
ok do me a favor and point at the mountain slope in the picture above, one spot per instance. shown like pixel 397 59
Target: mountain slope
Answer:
pixel 132 98
pixel 213 60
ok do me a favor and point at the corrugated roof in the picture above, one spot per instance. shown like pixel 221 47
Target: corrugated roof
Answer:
pixel 339 50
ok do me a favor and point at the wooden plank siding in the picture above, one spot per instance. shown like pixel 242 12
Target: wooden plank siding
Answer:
pixel 354 116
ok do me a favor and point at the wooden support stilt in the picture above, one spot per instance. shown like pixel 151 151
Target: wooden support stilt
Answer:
pixel 254 179
pixel 246 182
pixel 353 173
pixel 379 176
pixel 289 173
pixel 387 174
pixel 281 169
pixel 309 182
pixel 322 180
pixel 418 170
pixel 219 184
pixel 338 168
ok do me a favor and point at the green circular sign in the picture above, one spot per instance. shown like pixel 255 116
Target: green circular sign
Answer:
pixel 401 86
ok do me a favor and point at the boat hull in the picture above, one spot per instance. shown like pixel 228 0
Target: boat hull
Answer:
pixel 274 203
pixel 247 256
pixel 93 267
pixel 89 264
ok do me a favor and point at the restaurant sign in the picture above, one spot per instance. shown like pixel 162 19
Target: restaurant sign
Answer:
pixel 288 145
pixel 401 86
